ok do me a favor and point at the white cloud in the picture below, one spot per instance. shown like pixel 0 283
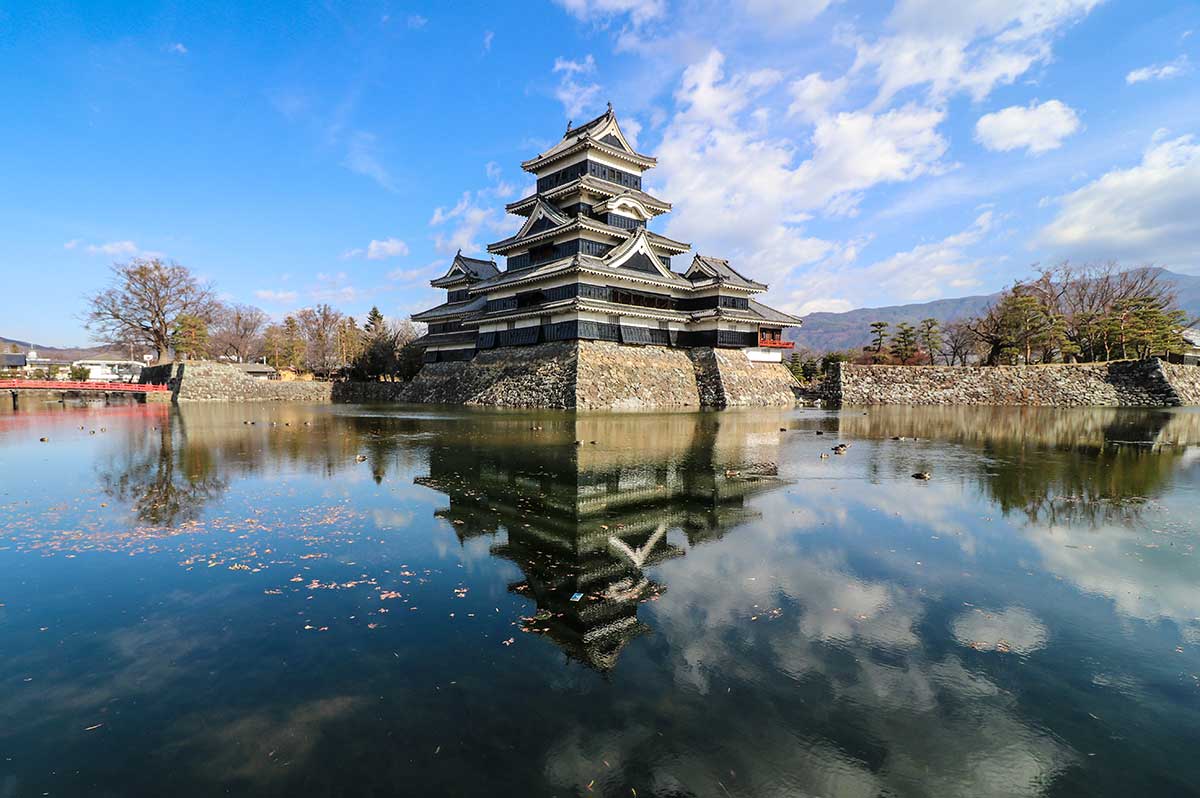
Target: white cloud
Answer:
pixel 812 96
pixel 378 250
pixel 474 213
pixel 823 305
pixel 488 36
pixel 1158 71
pixel 1037 128
pixel 1146 213
pixel 178 48
pixel 387 248
pixel 931 271
pixel 786 13
pixel 72 244
pixel 278 297
pixel 575 91
pixel 469 217
pixel 736 190
pixel 361 158
pixel 855 151
pixel 111 248
pixel 742 192
pixel 632 129
pixel 950 46
pixel 500 188
pixel 416 22
pixel 927 271
pixel 604 11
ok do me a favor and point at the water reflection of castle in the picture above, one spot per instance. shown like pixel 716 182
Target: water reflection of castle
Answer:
pixel 585 522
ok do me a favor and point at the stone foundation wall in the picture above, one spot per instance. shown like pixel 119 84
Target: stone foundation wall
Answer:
pixel 529 376
pixel 745 383
pixel 210 381
pixel 614 377
pixel 1126 383
pixel 1185 380
pixel 600 375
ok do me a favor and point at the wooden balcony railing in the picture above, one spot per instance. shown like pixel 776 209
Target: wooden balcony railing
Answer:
pixel 775 343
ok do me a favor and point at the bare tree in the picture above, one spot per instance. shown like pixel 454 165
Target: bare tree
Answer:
pixel 144 302
pixel 319 326
pixel 238 332
pixel 958 343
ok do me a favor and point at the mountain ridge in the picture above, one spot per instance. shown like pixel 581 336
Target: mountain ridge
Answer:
pixel 827 331
pixel 99 352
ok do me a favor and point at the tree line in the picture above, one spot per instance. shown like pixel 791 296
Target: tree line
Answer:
pixel 161 306
pixel 1064 314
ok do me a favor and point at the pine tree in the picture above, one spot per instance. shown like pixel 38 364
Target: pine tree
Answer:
pixel 189 337
pixel 293 344
pixel 374 324
pixel 930 337
pixel 879 336
pixel 904 342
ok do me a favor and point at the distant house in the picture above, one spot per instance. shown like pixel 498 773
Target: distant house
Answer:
pixel 10 362
pixel 259 371
pixel 111 370
pixel 1189 353
pixel 36 366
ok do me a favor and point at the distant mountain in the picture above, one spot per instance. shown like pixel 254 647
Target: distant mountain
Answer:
pixel 102 352
pixel 825 332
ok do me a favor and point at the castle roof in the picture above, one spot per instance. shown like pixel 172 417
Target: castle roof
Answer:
pixel 588 184
pixel 720 270
pixel 602 134
pixel 449 310
pixel 463 268
pixel 528 235
pixel 773 315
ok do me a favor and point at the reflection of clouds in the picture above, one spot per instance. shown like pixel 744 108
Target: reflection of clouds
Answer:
pixel 392 519
pixel 142 660
pixel 942 729
pixel 758 758
pixel 266 745
pixel 1150 578
pixel 839 495
pixel 1014 629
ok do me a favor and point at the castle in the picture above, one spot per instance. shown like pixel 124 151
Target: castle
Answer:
pixel 586 274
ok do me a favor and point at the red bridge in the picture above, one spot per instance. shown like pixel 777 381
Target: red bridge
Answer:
pixel 60 389
pixel 61 385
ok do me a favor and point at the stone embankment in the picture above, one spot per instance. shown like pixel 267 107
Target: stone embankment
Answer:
pixel 1124 383
pixel 212 381
pixel 599 375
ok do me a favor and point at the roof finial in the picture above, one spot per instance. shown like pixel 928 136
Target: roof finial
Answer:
pixel 569 125
pixel 610 108
pixel 458 253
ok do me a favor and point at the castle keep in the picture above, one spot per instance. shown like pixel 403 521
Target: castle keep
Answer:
pixel 588 290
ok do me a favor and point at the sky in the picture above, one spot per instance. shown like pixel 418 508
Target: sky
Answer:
pixel 850 154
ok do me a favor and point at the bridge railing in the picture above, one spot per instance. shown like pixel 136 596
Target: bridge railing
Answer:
pixel 62 385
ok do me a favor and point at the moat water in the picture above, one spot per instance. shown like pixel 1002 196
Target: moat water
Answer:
pixel 369 601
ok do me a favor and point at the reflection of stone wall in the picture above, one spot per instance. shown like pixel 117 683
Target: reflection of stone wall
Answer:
pixel 1127 383
pixel 599 375
pixel 209 381
pixel 368 392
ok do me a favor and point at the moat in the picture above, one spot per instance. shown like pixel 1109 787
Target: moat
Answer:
pixel 346 600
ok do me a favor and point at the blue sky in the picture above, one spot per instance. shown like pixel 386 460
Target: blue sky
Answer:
pixel 850 153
